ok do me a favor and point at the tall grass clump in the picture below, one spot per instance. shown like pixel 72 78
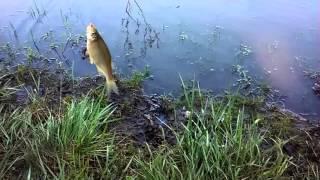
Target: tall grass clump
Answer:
pixel 73 145
pixel 82 127
pixel 218 142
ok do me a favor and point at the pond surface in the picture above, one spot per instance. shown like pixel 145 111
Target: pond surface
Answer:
pixel 275 41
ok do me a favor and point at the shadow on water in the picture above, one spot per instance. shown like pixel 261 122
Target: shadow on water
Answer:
pixel 273 42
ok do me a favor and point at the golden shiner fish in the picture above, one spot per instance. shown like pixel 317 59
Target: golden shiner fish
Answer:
pixel 99 55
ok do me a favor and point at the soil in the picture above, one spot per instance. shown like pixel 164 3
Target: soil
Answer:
pixel 142 118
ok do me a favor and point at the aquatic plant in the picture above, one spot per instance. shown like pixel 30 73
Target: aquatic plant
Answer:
pixel 14 30
pixel 137 78
pixel 150 34
pixel 10 51
pixel 6 90
pixel 31 55
pixel 243 51
pixel 245 80
pixel 36 13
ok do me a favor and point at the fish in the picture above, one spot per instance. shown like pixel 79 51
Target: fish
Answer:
pixel 99 54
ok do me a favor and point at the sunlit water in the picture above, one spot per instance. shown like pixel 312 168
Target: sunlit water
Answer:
pixel 198 39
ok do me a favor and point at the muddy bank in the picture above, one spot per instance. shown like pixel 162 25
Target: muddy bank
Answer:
pixel 51 89
pixel 142 118
pixel 151 119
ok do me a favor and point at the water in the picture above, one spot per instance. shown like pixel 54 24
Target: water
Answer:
pixel 198 39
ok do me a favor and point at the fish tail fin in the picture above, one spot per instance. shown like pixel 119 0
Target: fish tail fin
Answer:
pixel 112 86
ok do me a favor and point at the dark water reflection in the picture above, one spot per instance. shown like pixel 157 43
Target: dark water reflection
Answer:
pixel 197 38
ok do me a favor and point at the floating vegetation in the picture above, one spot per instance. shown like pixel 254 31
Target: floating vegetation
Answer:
pixel 244 51
pixel 48 36
pixel 31 55
pixel 244 80
pixel 183 36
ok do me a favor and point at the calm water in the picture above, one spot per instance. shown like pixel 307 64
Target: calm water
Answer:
pixel 196 38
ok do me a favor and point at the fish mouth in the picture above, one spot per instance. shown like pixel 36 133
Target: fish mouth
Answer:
pixel 91 28
pixel 92 33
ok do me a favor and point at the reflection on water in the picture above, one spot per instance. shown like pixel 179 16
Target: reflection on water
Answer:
pixel 277 39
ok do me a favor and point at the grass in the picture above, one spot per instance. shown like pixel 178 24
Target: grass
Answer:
pixel 9 51
pixel 31 55
pixel 137 78
pixel 221 139
pixel 216 143
pixel 6 90
pixel 36 13
pixel 68 146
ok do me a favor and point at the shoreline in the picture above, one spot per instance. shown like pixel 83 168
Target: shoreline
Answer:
pixel 151 121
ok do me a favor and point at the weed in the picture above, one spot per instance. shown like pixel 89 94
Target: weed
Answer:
pixel 10 51
pixel 31 55
pixel 216 144
pixel 222 137
pixel 69 146
pixel 6 90
pixel 244 51
pixel 36 13
pixel 137 78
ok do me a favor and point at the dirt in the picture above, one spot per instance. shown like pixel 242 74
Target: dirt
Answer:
pixel 142 118
pixel 301 135
pixel 146 118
